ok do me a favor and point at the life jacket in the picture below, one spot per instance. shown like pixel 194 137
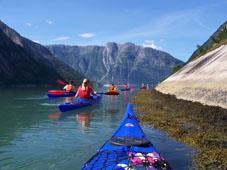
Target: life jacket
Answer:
pixel 85 94
pixel 69 88
pixel 111 88
pixel 142 86
pixel 125 86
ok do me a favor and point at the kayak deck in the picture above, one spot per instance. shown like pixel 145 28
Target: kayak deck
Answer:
pixel 79 103
pixel 127 148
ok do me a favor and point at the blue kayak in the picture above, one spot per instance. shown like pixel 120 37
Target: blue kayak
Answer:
pixel 79 103
pixel 128 148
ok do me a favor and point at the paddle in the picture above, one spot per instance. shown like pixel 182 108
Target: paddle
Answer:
pixel 61 82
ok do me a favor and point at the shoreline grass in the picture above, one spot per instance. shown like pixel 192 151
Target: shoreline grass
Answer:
pixel 202 127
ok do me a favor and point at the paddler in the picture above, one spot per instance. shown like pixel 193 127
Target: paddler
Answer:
pixel 69 87
pixel 143 86
pixel 112 88
pixel 125 86
pixel 85 90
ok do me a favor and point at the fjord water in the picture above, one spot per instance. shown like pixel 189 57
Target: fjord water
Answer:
pixel 35 135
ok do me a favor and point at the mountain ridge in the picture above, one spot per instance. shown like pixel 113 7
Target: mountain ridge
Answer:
pixel 25 62
pixel 203 78
pixel 218 38
pixel 117 63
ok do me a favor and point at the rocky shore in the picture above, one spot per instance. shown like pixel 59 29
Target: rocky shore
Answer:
pixel 200 126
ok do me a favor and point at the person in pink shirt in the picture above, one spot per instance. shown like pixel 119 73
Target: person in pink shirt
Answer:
pixel 125 86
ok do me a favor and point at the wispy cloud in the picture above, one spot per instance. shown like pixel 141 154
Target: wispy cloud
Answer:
pixel 36 41
pixel 151 44
pixel 87 35
pixel 170 25
pixel 62 38
pixel 28 24
pixel 49 22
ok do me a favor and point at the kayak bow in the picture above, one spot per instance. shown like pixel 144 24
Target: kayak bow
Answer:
pixel 128 148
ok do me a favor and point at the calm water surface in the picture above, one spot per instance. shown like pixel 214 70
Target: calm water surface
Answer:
pixel 35 135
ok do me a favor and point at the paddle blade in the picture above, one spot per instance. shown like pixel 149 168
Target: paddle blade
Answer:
pixel 61 82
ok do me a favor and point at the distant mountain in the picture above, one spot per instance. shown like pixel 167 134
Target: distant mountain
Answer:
pixel 204 77
pixel 24 62
pixel 216 40
pixel 117 63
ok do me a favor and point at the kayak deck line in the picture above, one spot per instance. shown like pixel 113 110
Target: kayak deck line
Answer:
pixel 127 148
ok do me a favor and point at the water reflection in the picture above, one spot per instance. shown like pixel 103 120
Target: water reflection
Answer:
pixel 38 136
pixel 54 116
pixel 83 118
pixel 68 100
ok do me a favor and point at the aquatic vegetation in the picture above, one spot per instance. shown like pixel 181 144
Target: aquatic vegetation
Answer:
pixel 202 127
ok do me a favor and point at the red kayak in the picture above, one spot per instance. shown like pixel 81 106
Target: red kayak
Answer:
pixel 112 93
pixel 60 93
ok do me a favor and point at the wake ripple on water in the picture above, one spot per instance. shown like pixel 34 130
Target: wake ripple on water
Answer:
pixel 31 98
pixel 49 104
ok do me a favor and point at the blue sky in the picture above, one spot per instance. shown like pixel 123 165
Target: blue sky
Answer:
pixel 174 26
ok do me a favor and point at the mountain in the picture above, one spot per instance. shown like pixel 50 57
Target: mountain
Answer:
pixel 216 40
pixel 203 78
pixel 24 62
pixel 117 63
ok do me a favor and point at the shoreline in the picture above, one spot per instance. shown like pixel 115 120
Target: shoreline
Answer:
pixel 199 126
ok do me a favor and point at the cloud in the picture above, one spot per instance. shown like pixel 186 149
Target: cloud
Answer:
pixel 151 44
pixel 36 41
pixel 28 24
pixel 168 25
pixel 87 35
pixel 62 38
pixel 49 22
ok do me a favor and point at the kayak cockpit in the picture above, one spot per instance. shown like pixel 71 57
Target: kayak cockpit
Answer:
pixel 128 141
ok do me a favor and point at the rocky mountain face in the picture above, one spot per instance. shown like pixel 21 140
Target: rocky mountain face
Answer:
pixel 24 62
pixel 203 79
pixel 117 63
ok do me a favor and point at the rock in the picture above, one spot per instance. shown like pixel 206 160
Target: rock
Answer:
pixel 117 63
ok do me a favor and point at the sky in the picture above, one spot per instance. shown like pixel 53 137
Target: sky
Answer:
pixel 173 26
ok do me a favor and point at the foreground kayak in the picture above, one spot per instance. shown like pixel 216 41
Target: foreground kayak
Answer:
pixel 128 148
pixel 79 103
pixel 59 93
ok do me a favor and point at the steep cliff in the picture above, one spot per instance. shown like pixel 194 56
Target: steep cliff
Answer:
pixel 118 63
pixel 203 78
pixel 25 62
